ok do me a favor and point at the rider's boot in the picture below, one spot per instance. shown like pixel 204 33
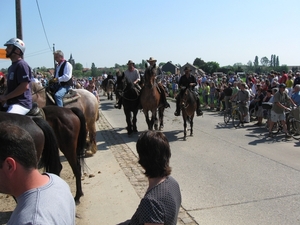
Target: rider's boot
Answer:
pixel 163 96
pixel 198 110
pixel 177 112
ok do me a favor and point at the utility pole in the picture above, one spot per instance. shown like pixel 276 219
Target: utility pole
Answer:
pixel 19 19
pixel 53 56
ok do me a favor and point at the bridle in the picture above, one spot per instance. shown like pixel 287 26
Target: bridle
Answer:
pixel 123 91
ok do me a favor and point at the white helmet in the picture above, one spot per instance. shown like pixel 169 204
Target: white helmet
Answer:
pixel 17 43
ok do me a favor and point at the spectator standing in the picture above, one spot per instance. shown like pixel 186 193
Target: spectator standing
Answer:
pixel 243 98
pixel 280 100
pixel 162 201
pixel 41 198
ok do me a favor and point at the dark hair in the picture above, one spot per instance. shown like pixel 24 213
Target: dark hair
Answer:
pixel 154 154
pixel 17 144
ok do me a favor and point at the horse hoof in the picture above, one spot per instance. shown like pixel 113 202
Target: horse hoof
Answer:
pixel 89 153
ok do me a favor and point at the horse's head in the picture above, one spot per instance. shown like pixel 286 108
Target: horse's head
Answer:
pixel 150 74
pixel 186 98
pixel 122 83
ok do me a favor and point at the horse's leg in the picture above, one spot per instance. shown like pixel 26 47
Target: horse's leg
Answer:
pixel 134 120
pixel 146 113
pixel 155 120
pixel 184 126
pixel 69 151
pixel 191 125
pixel 161 117
pixel 128 121
pixel 92 135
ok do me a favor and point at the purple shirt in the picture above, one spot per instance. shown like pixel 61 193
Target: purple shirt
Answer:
pixel 18 73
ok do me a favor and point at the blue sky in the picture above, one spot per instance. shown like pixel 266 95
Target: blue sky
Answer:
pixel 106 32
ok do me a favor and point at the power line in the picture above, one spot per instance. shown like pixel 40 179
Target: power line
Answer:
pixel 43 24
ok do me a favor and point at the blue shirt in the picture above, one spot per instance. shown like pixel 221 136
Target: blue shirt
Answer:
pixel 296 98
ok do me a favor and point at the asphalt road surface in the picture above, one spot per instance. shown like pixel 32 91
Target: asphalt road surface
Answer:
pixel 227 175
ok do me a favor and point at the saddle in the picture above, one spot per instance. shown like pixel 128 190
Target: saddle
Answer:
pixel 35 111
pixel 71 96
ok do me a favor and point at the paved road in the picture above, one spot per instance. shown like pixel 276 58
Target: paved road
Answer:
pixel 227 175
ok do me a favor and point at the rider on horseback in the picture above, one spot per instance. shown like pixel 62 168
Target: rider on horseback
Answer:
pixel 187 80
pixel 109 77
pixel 162 90
pixel 18 94
pixel 63 76
pixel 134 76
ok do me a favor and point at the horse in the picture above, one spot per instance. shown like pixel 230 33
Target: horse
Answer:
pixel 130 102
pixel 188 105
pixel 109 89
pixel 3 85
pixel 150 99
pixel 44 139
pixel 69 127
pixel 87 103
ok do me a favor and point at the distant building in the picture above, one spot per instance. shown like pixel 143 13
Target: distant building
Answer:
pixel 194 69
pixel 170 67
pixel 72 61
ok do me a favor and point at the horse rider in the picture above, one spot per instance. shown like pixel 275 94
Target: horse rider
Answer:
pixel 63 76
pixel 161 88
pixel 132 75
pixel 18 96
pixel 105 81
pixel 187 80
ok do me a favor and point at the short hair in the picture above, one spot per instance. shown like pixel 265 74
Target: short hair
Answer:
pixel 59 52
pixel 154 154
pixel 18 144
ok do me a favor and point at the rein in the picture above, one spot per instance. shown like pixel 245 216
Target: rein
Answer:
pixel 34 93
pixel 122 92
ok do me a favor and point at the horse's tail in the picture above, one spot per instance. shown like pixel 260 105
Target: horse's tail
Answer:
pixel 50 156
pixel 81 141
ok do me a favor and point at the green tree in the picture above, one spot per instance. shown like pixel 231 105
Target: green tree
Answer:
pixel 277 61
pixel 210 67
pixel 93 70
pixel 161 64
pixel 264 61
pixel 255 63
pixel 199 63
pixel 78 66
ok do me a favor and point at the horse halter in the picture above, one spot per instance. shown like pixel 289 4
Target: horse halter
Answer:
pixel 184 99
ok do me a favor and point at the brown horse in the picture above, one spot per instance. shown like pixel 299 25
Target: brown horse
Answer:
pixel 109 89
pixel 70 130
pixel 3 85
pixel 150 100
pixel 87 103
pixel 44 139
pixel 188 105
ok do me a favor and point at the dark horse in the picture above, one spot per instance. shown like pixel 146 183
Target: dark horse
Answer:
pixel 44 139
pixel 87 103
pixel 188 105
pixel 130 101
pixel 109 89
pixel 150 99
pixel 70 130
